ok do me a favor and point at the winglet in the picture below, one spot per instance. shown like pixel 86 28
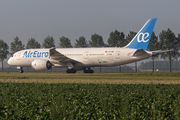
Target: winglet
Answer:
pixel 142 38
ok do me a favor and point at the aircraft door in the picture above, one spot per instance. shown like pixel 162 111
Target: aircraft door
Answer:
pixel 117 55
pixel 86 54
pixel 18 55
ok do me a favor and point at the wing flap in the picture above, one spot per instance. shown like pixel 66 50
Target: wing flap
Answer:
pixel 55 55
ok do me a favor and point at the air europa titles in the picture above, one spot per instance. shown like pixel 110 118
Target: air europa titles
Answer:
pixel 34 54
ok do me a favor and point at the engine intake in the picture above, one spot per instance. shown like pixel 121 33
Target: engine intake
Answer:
pixel 41 64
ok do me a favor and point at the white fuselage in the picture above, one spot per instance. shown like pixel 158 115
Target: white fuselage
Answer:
pixel 86 57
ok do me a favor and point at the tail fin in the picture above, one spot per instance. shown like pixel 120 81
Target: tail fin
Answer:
pixel 142 38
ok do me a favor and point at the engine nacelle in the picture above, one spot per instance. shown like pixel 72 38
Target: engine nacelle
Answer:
pixel 41 64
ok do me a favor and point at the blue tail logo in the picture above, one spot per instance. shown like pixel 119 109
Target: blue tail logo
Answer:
pixel 143 37
pixel 141 40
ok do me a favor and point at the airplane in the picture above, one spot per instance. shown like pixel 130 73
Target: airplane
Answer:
pixel 75 59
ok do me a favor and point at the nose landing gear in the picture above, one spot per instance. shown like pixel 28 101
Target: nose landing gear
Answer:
pixel 20 69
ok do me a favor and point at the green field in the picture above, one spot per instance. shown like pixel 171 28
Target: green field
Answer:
pixel 57 95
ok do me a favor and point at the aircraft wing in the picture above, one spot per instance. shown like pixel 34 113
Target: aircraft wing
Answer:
pixel 55 55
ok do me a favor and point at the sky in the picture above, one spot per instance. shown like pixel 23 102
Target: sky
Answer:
pixel 75 18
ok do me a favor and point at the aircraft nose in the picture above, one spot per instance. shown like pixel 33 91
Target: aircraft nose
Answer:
pixel 10 61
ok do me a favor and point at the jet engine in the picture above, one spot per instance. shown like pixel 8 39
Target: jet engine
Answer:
pixel 41 64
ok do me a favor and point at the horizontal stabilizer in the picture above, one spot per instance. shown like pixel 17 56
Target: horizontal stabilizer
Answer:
pixel 160 51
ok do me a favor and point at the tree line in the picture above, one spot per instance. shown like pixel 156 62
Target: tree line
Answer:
pixel 167 40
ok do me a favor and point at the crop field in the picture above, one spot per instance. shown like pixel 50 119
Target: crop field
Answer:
pixel 57 95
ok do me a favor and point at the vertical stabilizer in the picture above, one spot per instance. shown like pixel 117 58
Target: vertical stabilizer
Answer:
pixel 142 38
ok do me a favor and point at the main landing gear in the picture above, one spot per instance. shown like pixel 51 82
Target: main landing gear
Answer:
pixel 70 71
pixel 88 71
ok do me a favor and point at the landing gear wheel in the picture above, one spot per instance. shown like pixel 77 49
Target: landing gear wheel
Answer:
pixel 21 71
pixel 70 71
pixel 89 71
